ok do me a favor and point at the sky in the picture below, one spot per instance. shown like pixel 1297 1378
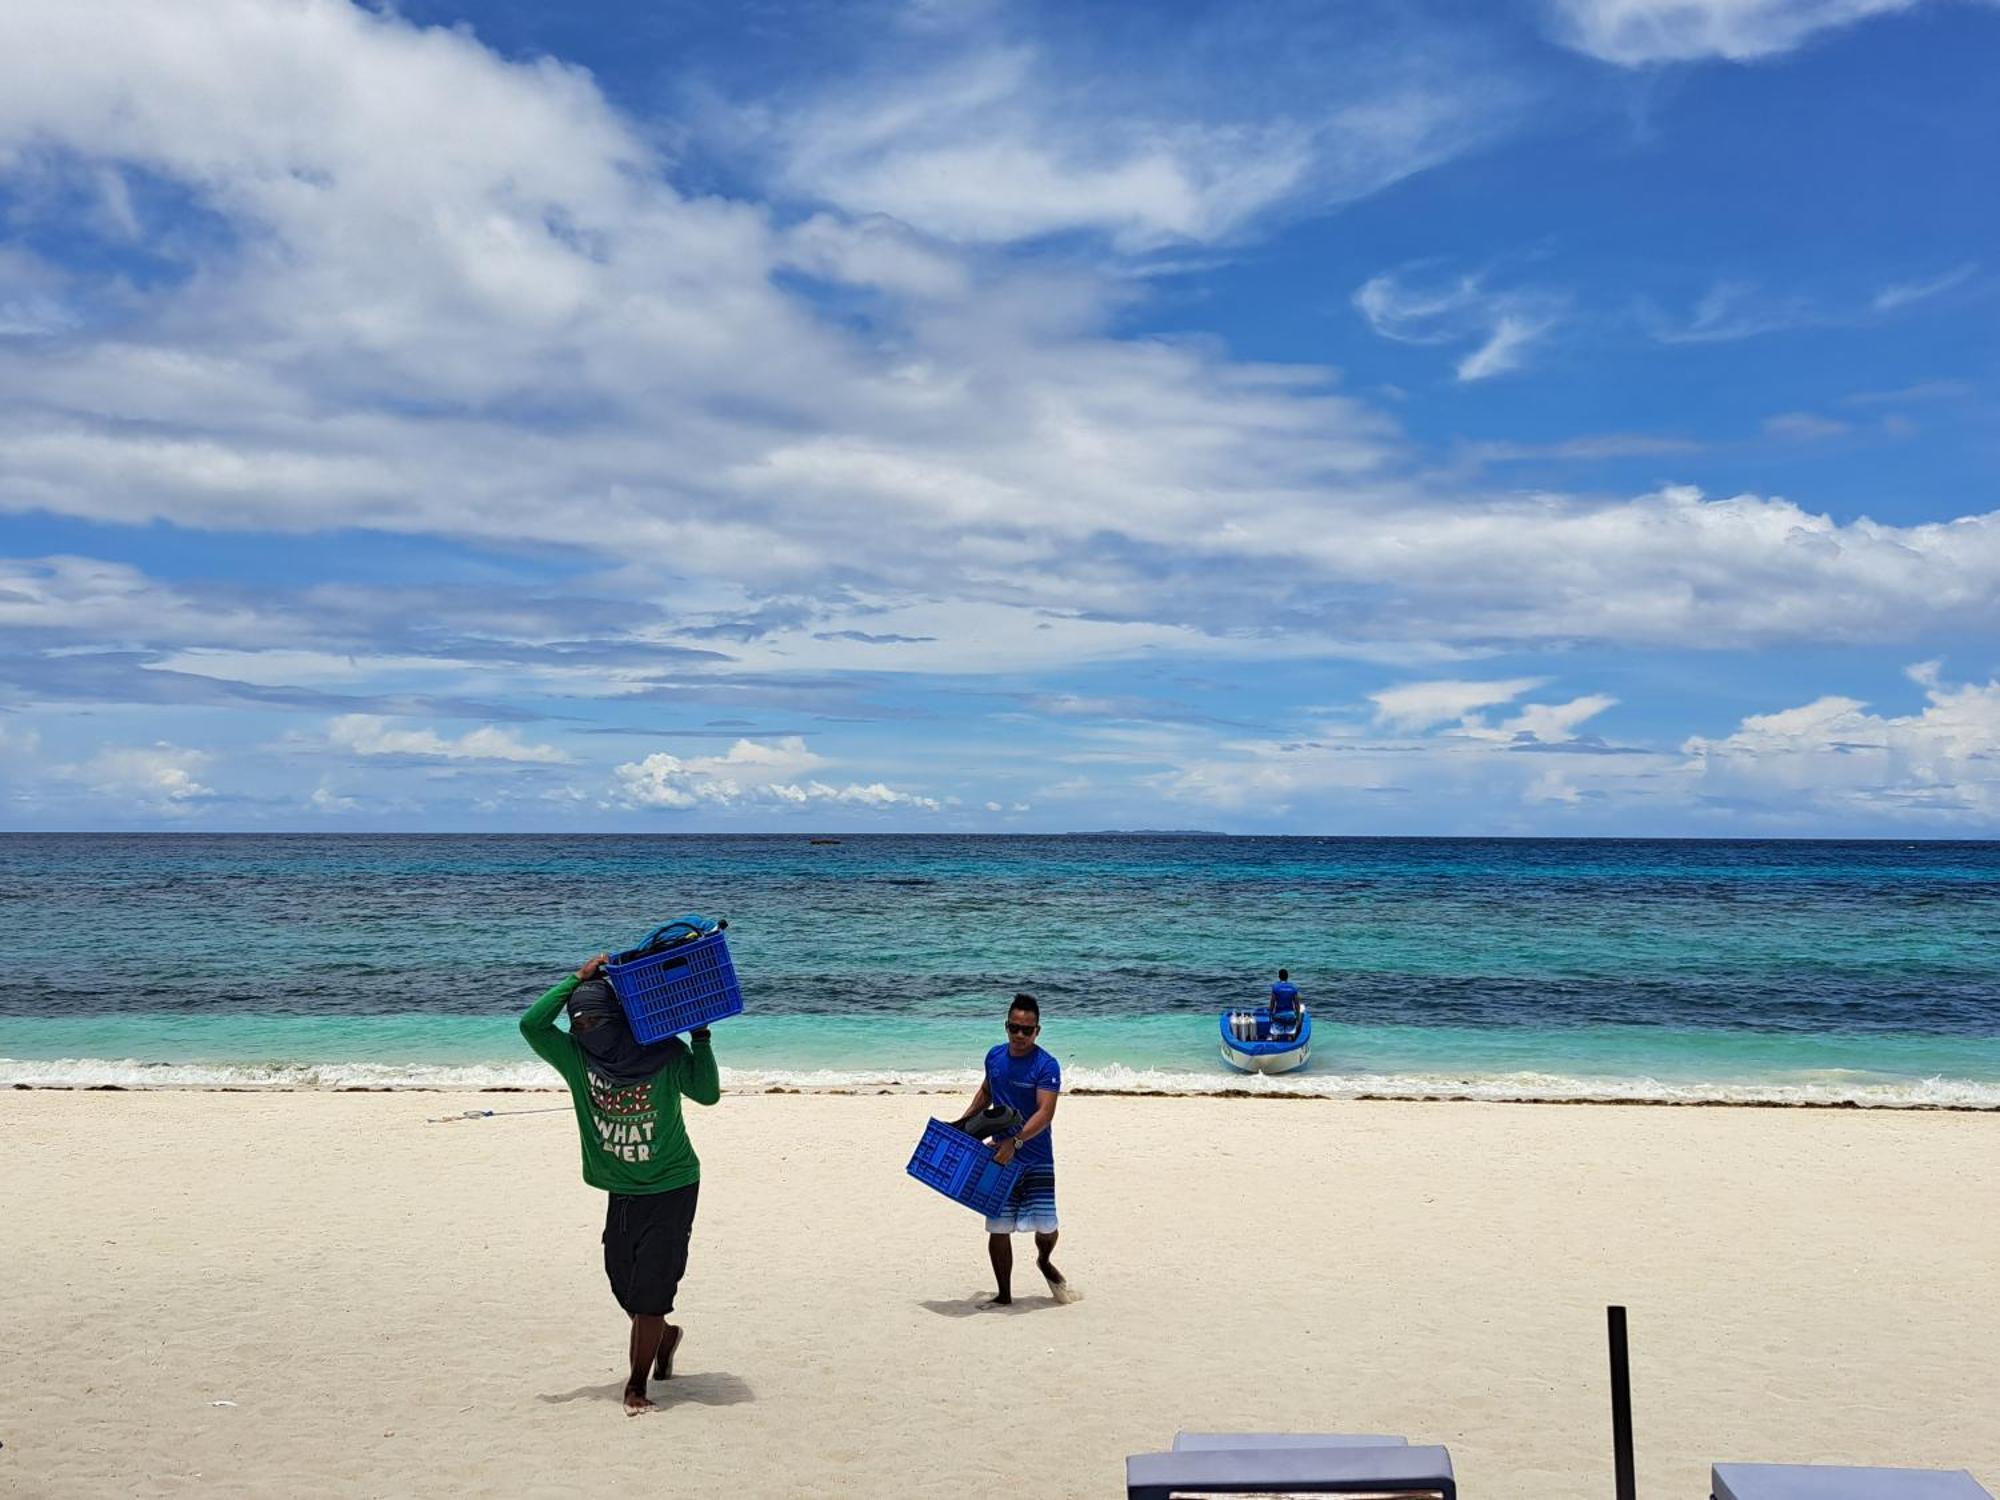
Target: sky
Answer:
pixel 1563 417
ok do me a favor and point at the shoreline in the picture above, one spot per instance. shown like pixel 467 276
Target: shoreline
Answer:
pixel 834 1091
pixel 1142 1056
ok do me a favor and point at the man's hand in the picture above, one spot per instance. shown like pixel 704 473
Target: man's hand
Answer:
pixel 1005 1152
pixel 593 967
pixel 699 1034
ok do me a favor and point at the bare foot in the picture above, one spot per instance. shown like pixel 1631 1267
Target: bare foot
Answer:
pixel 636 1401
pixel 1059 1288
pixel 663 1364
pixel 998 1299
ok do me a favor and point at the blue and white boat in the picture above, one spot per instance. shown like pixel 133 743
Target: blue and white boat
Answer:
pixel 1247 1043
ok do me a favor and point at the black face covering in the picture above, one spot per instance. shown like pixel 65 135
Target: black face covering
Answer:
pixel 609 1048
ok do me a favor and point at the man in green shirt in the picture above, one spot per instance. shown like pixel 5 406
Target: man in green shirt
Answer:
pixel 635 1147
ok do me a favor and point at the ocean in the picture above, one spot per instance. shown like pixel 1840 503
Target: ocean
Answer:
pixel 1830 972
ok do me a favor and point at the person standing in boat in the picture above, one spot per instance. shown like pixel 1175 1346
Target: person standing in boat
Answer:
pixel 1287 1013
pixel 628 1113
pixel 1020 1075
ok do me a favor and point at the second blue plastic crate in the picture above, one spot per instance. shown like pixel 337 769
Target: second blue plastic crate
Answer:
pixel 670 988
pixel 963 1169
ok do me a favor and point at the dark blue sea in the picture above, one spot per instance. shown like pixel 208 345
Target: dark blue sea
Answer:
pixel 1783 971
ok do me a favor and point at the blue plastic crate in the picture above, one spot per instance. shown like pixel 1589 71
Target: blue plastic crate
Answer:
pixel 677 980
pixel 963 1169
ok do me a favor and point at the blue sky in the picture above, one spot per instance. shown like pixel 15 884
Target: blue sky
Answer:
pixel 1573 417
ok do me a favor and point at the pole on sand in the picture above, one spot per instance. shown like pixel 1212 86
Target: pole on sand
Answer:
pixel 1621 1405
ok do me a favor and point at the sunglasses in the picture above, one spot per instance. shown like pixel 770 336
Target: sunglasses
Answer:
pixel 1015 1029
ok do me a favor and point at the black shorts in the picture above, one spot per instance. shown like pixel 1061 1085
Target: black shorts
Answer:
pixel 646 1247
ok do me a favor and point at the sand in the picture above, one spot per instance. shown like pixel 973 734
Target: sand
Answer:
pixel 291 1294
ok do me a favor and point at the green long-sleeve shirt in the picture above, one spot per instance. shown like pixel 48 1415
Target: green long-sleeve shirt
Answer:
pixel 633 1138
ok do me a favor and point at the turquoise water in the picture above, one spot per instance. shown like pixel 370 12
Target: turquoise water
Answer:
pixel 1804 972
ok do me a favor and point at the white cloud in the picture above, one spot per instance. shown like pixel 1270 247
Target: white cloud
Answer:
pixel 1803 427
pixel 1732 310
pixel 977 134
pixel 282 667
pixel 939 636
pixel 371 734
pixel 1833 755
pixel 874 251
pixel 759 763
pixel 750 773
pixel 409 209
pixel 325 800
pixel 1587 449
pixel 158 777
pixel 1554 723
pixel 875 794
pixel 1903 293
pixel 1831 763
pixel 1418 706
pixel 1637 32
pixel 23 741
pixel 408 240
pixel 969 153
pixel 1553 786
pixel 1079 705
pixel 32 303
pixel 434 232
pixel 1910 395
pixel 111 603
pixel 1503 324
pixel 1675 566
pixel 1504 346
pixel 661 780
pixel 1543 723
pixel 1456 758
pixel 1423 705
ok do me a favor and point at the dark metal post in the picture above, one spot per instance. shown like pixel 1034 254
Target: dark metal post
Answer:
pixel 1621 1405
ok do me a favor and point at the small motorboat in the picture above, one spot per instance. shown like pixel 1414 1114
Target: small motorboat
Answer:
pixel 1247 1043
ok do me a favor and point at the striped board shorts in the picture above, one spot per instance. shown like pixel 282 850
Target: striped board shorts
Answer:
pixel 1033 1209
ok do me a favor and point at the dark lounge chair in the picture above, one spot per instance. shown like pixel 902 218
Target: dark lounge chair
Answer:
pixel 1283 1463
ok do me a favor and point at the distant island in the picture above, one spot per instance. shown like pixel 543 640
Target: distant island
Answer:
pixel 1147 833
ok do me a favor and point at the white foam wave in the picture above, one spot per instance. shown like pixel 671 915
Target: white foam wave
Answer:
pixel 1555 1088
pixel 1520 1087
pixel 127 1073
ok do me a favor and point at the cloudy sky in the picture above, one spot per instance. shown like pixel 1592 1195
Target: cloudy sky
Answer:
pixel 1357 416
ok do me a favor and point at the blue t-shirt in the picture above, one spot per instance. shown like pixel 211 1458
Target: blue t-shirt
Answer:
pixel 1284 996
pixel 1014 1081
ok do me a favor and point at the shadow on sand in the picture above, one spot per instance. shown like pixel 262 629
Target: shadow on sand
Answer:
pixel 695 1388
pixel 973 1307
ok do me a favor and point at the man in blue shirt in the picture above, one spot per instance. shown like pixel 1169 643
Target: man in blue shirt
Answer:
pixel 1019 1074
pixel 1287 1015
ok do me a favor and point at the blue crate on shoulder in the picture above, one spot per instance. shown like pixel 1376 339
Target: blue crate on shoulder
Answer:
pixel 963 1169
pixel 678 979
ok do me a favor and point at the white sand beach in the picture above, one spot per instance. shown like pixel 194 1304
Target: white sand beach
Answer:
pixel 291 1294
